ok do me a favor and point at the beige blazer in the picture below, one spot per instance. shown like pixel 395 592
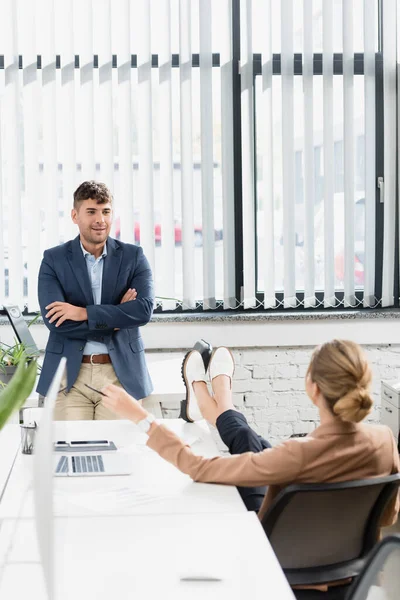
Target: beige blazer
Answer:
pixel 337 451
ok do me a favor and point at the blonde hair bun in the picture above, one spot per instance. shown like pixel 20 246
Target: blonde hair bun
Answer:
pixel 342 373
pixel 354 406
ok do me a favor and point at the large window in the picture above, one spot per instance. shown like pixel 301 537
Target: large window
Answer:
pixel 312 77
pixel 243 141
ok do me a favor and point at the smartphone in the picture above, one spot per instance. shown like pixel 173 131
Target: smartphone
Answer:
pixel 89 443
pixel 94 389
pixel 84 446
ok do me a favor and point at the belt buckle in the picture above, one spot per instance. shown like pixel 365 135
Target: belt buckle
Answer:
pixel 91 359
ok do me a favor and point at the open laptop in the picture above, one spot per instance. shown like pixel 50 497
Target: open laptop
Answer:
pixel 92 465
pixel 82 464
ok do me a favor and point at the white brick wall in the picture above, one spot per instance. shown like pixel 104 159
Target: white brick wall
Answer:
pixel 268 387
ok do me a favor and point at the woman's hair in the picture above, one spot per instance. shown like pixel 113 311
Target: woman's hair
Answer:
pixel 343 375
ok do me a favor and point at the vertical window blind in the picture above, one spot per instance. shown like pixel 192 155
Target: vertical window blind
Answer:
pixel 141 95
pixel 370 26
pixel 328 263
pixel 389 19
pixel 309 192
pixel 137 94
pixel 317 66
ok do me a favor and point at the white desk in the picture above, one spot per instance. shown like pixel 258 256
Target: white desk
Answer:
pixel 10 439
pixel 145 557
pixel 109 548
pixel 157 487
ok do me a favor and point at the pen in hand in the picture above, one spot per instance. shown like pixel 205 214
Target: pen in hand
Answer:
pixel 94 389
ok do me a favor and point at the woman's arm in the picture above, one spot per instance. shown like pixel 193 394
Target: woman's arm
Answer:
pixel 277 465
pixel 280 464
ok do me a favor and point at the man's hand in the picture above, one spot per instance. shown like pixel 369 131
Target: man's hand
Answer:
pixel 129 295
pixel 62 311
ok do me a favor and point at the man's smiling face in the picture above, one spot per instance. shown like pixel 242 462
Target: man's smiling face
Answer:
pixel 94 221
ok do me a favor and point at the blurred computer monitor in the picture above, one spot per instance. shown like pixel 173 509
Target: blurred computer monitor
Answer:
pixel 21 329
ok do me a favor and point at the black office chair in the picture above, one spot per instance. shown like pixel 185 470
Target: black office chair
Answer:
pixel 324 532
pixel 380 577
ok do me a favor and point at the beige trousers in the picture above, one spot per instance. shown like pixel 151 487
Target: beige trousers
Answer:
pixel 80 403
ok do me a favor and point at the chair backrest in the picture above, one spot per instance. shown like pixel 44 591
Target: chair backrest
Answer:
pixel 380 577
pixel 317 525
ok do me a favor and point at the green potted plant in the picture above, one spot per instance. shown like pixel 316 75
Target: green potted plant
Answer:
pixel 10 357
pixel 14 394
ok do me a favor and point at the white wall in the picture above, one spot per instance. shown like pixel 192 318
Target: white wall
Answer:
pixel 268 385
pixel 250 331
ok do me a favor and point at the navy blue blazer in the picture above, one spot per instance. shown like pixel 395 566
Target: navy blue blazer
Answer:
pixel 63 277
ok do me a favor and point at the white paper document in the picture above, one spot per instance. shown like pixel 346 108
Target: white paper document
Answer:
pixel 112 500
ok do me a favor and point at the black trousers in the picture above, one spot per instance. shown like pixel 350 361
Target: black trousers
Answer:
pixel 237 434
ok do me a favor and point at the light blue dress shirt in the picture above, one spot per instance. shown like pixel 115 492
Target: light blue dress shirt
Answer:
pixel 95 272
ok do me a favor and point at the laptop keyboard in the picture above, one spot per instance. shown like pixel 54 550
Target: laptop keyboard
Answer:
pixel 62 466
pixel 81 464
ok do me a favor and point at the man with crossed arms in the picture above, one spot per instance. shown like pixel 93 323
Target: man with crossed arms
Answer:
pixel 94 294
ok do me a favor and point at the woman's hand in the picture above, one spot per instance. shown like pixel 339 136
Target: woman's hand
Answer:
pixel 120 402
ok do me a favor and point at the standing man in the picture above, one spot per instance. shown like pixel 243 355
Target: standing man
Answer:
pixel 94 294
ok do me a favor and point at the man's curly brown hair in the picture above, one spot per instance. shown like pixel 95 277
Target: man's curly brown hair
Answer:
pixel 93 190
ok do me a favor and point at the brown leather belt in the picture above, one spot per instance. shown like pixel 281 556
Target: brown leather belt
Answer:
pixel 96 359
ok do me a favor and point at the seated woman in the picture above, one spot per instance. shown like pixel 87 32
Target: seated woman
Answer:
pixel 340 449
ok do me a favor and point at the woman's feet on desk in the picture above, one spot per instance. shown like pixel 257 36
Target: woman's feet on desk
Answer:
pixel 221 364
pixel 192 372
pixel 221 370
pixel 198 403
pixel 188 413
